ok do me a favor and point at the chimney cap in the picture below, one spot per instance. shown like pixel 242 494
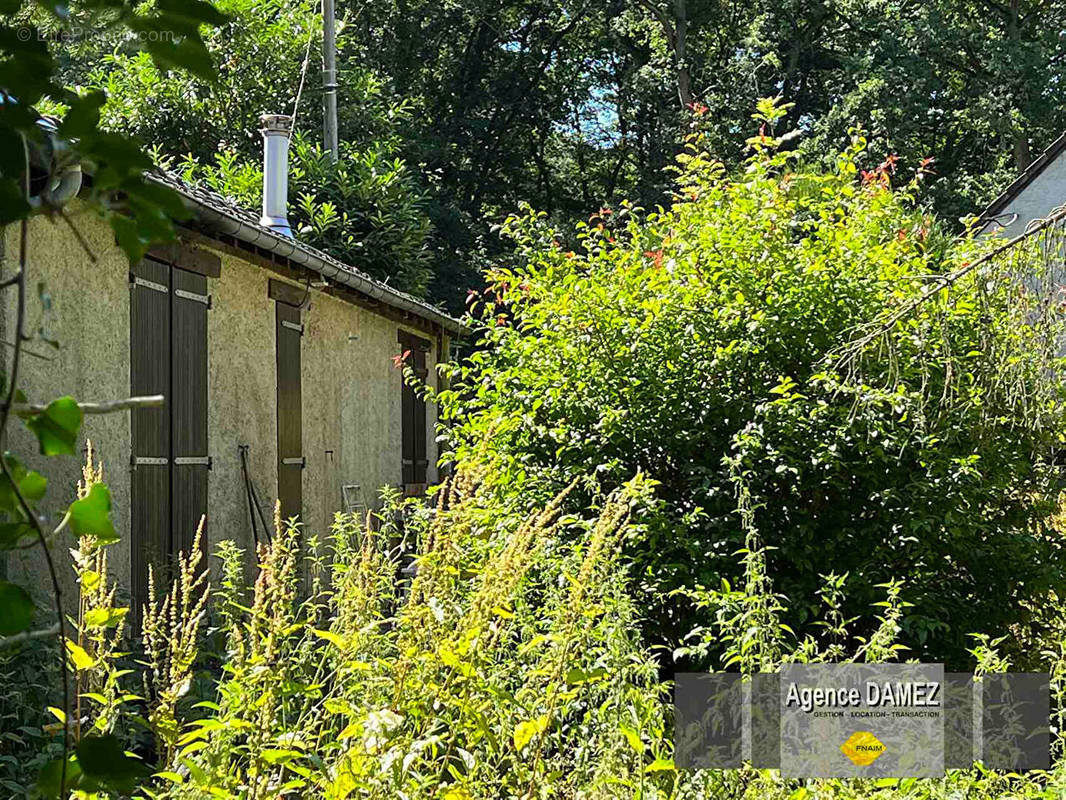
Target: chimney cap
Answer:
pixel 275 123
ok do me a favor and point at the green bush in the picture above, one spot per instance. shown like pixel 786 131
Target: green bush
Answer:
pixel 365 209
pixel 774 331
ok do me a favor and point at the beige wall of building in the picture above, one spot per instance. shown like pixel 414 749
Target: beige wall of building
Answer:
pixel 90 320
pixel 351 389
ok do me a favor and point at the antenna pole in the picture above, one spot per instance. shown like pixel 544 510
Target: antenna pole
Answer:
pixel 329 78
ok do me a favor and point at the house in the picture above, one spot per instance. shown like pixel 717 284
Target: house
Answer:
pixel 276 362
pixel 1034 194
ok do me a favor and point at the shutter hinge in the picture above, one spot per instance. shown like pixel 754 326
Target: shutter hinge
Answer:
pixel 147 461
pixel 193 461
pixel 196 298
pixel 147 284
pixel 300 462
pixel 293 326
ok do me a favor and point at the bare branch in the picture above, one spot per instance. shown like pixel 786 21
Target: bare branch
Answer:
pixel 28 636
pixel 149 401
pixel 855 347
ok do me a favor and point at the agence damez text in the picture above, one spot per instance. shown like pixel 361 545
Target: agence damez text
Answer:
pixel 912 694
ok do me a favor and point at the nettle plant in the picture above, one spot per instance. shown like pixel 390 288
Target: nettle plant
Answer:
pixel 890 395
pixel 36 155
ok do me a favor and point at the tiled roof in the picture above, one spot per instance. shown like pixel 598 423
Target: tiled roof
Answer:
pixel 223 215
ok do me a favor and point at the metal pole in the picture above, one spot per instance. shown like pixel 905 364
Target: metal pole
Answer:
pixel 329 78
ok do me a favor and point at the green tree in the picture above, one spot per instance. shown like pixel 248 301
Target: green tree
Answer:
pixel 366 209
pixel 711 346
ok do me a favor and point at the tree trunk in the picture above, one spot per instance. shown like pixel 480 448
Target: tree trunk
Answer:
pixel 1022 157
pixel 684 78
pixel 676 32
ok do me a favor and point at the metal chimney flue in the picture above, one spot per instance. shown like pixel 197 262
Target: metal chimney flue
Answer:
pixel 275 130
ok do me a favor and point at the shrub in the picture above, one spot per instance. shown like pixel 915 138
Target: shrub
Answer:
pixel 776 328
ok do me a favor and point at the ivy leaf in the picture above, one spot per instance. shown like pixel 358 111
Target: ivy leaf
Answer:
pixel 103 759
pixel 57 426
pixel 91 516
pixel 33 486
pixel 16 609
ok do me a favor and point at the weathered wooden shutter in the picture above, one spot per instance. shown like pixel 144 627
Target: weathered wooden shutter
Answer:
pixel 413 413
pixel 188 407
pixel 290 410
pixel 419 365
pixel 149 374
pixel 168 356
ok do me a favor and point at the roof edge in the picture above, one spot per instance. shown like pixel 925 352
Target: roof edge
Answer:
pixel 218 218
pixel 1027 176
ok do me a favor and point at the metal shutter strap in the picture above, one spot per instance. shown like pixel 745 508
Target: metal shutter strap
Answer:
pixel 196 298
pixel 147 284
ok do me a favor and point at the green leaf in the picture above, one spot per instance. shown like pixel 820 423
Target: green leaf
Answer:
pixel 104 617
pixel 103 759
pixel 91 516
pixel 633 738
pixel 83 117
pixel 13 205
pixel 12 534
pixel 16 609
pixel 48 781
pixel 33 486
pixel 198 12
pixel 577 675
pixel 525 731
pixel 660 765
pixel 81 659
pixel 331 637
pixel 57 427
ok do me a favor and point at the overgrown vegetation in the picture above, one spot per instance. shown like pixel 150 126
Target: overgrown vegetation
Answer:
pixel 818 340
pixel 509 666
pixel 675 424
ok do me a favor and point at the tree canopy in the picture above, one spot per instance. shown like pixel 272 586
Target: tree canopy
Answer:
pixel 466 109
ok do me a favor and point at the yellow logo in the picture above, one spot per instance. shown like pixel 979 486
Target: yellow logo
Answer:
pixel 863 748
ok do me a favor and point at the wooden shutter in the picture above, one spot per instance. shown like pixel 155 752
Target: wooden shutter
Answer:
pixel 419 423
pixel 168 356
pixel 413 413
pixel 188 406
pixel 149 374
pixel 289 332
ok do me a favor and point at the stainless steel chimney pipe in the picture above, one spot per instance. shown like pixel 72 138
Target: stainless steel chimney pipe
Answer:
pixel 275 130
